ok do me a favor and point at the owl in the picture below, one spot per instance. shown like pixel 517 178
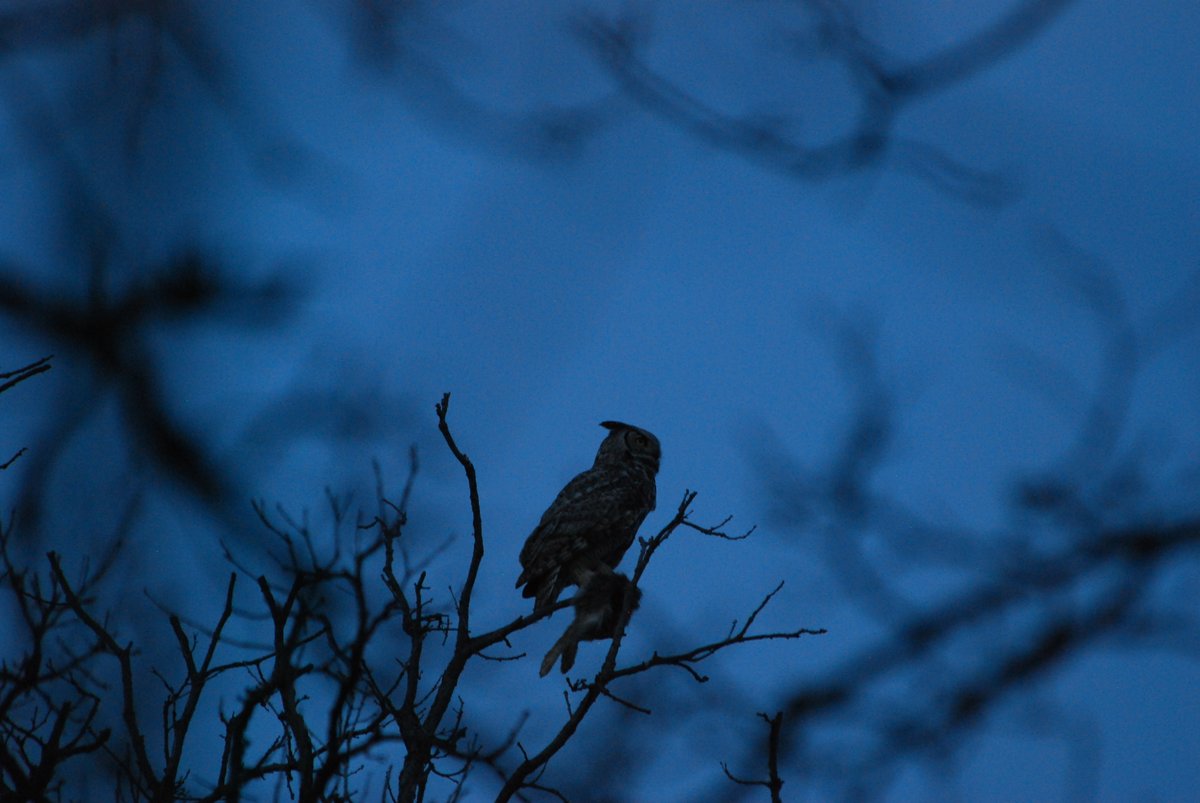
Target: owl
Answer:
pixel 598 607
pixel 593 520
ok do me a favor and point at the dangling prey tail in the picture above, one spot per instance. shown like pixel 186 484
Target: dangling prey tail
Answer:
pixel 566 646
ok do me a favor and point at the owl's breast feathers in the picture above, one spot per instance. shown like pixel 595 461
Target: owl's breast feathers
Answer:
pixel 592 521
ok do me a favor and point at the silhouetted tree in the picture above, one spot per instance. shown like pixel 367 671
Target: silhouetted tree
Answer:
pixel 306 697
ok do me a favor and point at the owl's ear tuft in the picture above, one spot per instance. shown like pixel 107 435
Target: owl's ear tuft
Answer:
pixel 614 425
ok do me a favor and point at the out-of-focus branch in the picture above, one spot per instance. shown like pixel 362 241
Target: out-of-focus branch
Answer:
pixel 979 51
pixel 108 329
pixel 882 92
pixel 1083 563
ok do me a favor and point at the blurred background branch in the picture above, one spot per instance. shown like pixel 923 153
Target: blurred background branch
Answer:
pixel 252 237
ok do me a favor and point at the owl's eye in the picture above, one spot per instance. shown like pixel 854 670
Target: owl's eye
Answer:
pixel 640 439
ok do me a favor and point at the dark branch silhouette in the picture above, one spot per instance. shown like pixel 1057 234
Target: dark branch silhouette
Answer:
pixel 773 783
pixel 312 704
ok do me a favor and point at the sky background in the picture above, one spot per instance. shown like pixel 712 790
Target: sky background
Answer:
pixel 397 177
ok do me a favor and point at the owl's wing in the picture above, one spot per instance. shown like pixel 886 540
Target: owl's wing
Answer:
pixel 593 508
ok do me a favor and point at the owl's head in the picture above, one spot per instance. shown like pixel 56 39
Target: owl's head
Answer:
pixel 626 442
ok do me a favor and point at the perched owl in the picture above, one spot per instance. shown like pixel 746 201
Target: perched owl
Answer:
pixel 593 520
pixel 598 607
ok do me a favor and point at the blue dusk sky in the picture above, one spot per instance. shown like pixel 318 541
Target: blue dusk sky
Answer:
pixel 897 364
